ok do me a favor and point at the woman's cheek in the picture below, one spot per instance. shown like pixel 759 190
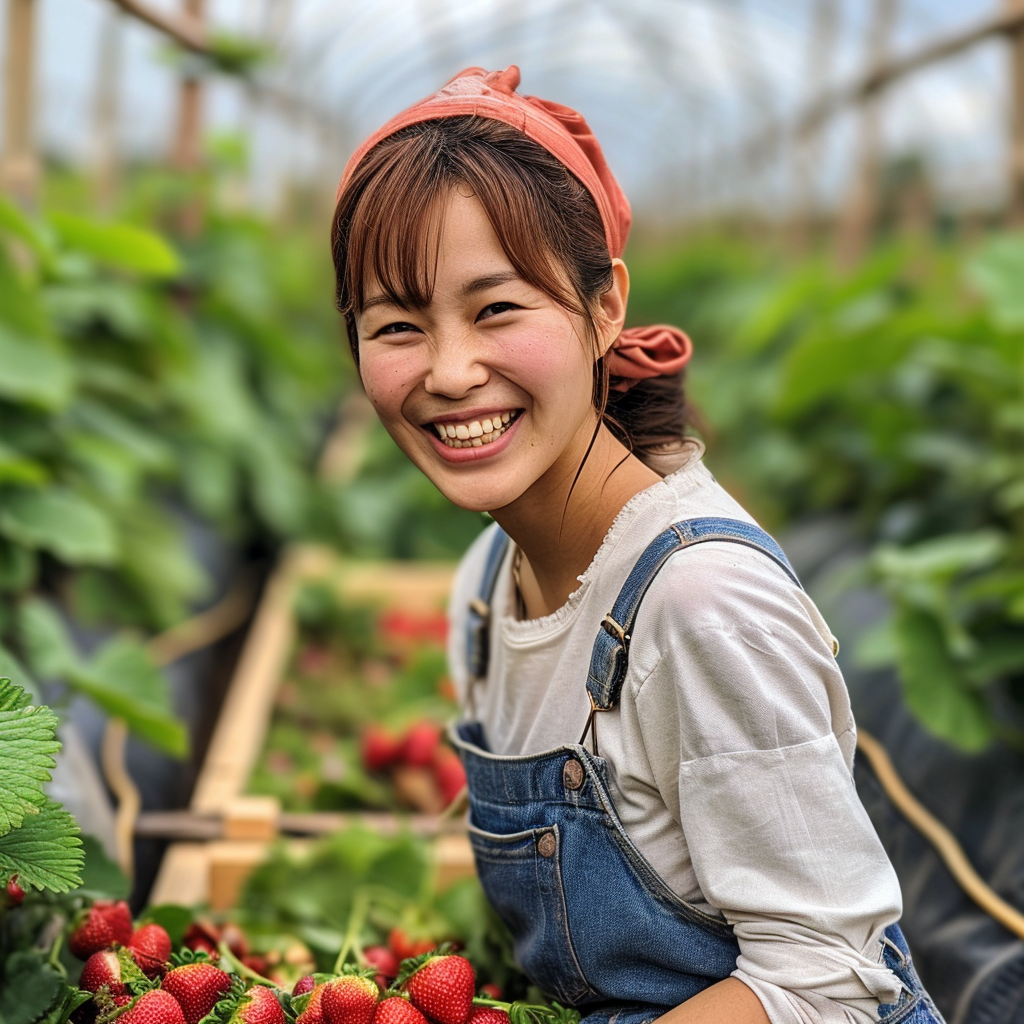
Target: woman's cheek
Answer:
pixel 388 376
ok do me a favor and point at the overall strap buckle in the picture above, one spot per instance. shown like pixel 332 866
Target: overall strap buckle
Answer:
pixel 610 653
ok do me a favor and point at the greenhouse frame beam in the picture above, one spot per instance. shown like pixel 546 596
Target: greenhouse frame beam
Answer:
pixel 1005 22
pixel 183 28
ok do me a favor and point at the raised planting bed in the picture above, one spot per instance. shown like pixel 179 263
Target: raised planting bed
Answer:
pixel 334 712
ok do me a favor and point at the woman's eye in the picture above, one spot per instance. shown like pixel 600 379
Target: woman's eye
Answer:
pixel 396 328
pixel 495 308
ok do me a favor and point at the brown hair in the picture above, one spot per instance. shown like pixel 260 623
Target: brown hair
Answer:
pixel 549 227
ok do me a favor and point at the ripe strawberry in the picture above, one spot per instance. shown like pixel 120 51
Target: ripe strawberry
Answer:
pixel 443 988
pixel 259 1006
pixel 448 773
pixel 350 999
pixel 491 990
pixel 488 1015
pixel 305 984
pixel 103 925
pixel 102 968
pixel 404 947
pixel 313 1013
pixel 420 744
pixel 202 937
pixel 156 1007
pixel 197 987
pixel 397 1010
pixel 384 962
pixel 235 939
pixel 14 891
pixel 379 748
pixel 151 947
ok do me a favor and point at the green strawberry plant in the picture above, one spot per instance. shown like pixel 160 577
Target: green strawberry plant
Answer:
pixel 40 852
pixel 145 385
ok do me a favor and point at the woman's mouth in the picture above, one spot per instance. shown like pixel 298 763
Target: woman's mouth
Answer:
pixel 475 433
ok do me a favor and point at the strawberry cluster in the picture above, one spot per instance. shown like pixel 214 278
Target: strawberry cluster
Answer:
pixel 134 978
pixel 435 988
pixel 417 751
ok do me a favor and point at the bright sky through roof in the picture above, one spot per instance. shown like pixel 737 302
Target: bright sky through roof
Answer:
pixel 670 86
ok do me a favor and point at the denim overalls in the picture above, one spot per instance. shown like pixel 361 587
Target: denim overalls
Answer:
pixel 593 924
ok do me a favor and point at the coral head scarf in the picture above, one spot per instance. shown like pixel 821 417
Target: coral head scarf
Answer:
pixel 639 352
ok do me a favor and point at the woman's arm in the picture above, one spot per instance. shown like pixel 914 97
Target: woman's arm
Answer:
pixel 727 1002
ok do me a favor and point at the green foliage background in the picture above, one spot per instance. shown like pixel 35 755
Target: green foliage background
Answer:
pixel 893 396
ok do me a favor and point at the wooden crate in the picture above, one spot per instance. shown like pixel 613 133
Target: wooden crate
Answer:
pixel 213 871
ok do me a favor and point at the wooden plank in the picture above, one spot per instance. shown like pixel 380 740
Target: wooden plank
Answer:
pixel 184 876
pixel 245 714
pixel 216 811
pixel 214 873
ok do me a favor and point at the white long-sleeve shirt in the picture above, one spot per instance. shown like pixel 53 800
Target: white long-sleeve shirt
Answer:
pixel 730 754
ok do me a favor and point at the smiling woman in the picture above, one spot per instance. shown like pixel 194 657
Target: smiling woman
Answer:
pixel 711 862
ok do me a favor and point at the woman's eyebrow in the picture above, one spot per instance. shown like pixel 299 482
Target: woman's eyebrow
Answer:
pixel 382 300
pixel 480 284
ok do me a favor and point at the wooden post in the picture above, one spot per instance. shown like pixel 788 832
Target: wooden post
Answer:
pixel 19 164
pixel 1015 209
pixel 806 150
pixel 106 152
pixel 187 152
pixel 857 219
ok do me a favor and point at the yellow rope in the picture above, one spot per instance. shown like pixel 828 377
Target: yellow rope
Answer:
pixel 129 800
pixel 191 635
pixel 939 836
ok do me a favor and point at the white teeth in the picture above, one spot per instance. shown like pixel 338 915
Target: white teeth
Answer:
pixel 474 434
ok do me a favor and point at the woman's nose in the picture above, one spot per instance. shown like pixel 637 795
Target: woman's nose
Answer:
pixel 455 368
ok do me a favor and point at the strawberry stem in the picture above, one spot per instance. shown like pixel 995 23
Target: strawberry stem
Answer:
pixel 356 920
pixel 239 968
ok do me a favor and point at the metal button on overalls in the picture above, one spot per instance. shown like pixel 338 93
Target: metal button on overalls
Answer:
pixel 572 774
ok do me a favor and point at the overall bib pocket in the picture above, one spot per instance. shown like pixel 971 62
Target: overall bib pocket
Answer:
pixel 521 873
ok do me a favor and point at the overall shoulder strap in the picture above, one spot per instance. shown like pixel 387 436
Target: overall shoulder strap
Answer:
pixel 478 621
pixel 610 654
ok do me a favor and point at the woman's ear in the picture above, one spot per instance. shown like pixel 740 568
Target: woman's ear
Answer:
pixel 612 313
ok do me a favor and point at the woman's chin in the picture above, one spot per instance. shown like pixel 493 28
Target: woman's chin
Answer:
pixel 477 498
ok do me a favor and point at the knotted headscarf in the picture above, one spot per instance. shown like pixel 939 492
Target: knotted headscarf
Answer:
pixel 639 352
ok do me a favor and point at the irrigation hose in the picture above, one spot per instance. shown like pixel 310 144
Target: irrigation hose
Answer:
pixel 939 836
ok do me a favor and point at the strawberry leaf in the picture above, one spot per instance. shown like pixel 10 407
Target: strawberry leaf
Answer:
pixel 45 851
pixel 27 745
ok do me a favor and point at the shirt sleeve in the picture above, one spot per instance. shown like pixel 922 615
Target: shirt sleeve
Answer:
pixel 746 724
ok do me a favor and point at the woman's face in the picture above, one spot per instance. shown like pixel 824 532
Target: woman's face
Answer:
pixel 491 360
